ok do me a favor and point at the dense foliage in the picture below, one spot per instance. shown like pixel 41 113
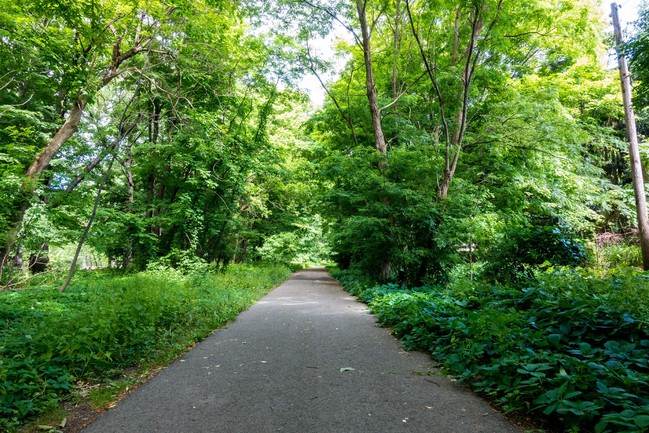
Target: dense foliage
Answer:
pixel 637 50
pixel 120 129
pixel 465 147
pixel 503 145
pixel 499 126
pixel 103 324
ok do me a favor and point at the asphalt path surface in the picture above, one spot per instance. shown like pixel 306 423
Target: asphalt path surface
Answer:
pixel 306 358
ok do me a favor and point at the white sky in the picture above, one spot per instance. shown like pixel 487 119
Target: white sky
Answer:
pixel 325 49
pixel 628 13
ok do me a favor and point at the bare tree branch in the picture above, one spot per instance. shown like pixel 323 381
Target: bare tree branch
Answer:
pixel 345 117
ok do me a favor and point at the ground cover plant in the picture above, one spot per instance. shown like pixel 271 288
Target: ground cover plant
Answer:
pixel 104 323
pixel 566 348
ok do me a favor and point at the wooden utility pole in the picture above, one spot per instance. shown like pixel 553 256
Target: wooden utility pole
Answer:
pixel 632 136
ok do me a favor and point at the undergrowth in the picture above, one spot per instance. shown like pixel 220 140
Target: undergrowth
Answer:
pixel 570 348
pixel 104 323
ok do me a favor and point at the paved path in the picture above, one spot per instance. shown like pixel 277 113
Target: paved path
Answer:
pixel 277 369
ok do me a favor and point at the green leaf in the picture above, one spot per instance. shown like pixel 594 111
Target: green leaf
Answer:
pixel 555 339
pixel 344 369
pixel 641 421
pixel 601 426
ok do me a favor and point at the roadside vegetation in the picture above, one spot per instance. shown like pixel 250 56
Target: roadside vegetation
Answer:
pixel 566 347
pixel 52 345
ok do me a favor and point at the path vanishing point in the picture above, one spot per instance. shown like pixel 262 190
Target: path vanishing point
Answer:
pixel 307 358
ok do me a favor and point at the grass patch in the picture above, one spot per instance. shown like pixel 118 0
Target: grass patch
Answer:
pixel 570 349
pixel 105 323
pixel 105 395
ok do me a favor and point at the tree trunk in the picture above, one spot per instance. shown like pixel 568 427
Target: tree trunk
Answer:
pixel 445 184
pixel 456 36
pixel 18 257
pixel 395 59
pixel 128 165
pixel 82 239
pixel 396 46
pixel 379 138
pixel 632 136
pixel 386 268
pixel 62 135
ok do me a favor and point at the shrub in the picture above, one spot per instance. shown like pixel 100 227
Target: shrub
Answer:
pixel 524 249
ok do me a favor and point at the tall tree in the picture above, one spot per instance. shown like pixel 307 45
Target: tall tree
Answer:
pixel 472 55
pixel 190 142
pixel 103 39
pixel 370 84
pixel 468 47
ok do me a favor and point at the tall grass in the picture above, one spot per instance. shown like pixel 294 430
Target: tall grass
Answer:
pixel 104 323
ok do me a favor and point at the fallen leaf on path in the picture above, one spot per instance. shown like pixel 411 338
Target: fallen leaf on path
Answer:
pixel 344 369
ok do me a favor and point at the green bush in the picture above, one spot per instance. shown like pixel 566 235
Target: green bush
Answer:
pixel 385 218
pixel 524 249
pixel 623 288
pixel 299 248
pixel 104 323
pixel 561 352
